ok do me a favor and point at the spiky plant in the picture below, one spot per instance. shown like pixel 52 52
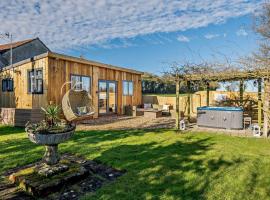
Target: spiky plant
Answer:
pixel 52 113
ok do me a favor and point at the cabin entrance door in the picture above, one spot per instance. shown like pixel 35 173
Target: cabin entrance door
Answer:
pixel 107 97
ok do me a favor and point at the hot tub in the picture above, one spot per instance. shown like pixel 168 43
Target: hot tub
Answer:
pixel 220 117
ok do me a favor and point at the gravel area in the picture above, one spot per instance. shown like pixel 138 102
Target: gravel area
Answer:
pixel 126 122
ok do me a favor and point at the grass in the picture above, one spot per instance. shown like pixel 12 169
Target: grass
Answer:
pixel 161 164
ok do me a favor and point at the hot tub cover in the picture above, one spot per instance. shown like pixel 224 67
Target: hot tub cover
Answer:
pixel 220 108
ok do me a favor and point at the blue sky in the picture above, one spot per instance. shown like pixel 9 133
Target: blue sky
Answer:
pixel 153 52
pixel 143 35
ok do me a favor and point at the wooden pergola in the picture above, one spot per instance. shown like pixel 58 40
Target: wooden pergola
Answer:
pixel 262 77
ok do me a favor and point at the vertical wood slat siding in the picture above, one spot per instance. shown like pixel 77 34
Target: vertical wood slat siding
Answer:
pixel 19 117
pixel 95 78
pixel 20 98
pixel 96 73
pixel 55 73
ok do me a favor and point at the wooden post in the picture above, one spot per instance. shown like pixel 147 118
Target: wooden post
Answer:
pixel 188 100
pixel 241 90
pixel 266 107
pixel 177 121
pixel 260 102
pixel 207 93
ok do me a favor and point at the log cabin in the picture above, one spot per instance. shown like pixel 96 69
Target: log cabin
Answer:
pixel 34 76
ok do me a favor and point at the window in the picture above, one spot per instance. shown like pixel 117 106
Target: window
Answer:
pixel 7 85
pixel 74 80
pixel 127 88
pixel 35 81
pixel 84 80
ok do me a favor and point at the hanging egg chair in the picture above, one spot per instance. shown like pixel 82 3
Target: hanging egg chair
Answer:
pixel 77 104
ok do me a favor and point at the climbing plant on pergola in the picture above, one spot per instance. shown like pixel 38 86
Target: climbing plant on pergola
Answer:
pixel 205 73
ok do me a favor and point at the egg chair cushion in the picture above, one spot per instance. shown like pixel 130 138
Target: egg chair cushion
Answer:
pixel 82 110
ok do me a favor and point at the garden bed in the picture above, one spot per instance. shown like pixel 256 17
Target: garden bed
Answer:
pixel 70 179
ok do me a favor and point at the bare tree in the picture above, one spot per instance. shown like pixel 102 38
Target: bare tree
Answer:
pixel 181 73
pixel 259 62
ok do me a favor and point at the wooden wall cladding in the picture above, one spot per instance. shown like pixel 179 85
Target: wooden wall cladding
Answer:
pixel 20 98
pixel 19 117
pixel 60 70
pixel 57 71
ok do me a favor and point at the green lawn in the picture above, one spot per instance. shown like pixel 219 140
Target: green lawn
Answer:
pixel 162 164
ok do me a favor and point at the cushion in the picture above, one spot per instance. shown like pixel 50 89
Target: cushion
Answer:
pixel 82 110
pixel 156 106
pixel 166 107
pixel 147 105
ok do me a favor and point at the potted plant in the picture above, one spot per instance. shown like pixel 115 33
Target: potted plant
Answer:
pixel 50 132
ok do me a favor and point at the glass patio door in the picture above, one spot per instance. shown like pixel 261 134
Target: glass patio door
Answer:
pixel 102 97
pixel 112 97
pixel 107 98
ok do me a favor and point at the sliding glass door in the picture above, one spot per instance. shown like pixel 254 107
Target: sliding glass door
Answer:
pixel 102 97
pixel 112 97
pixel 107 98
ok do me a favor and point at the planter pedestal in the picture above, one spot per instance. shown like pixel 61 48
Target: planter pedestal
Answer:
pixel 51 156
pixel 51 141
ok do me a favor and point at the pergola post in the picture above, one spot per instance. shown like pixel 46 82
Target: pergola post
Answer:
pixel 259 102
pixel 241 89
pixel 207 93
pixel 188 100
pixel 266 107
pixel 177 121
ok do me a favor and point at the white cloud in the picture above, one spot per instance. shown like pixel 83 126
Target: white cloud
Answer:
pixel 241 32
pixel 69 24
pixel 182 38
pixel 211 36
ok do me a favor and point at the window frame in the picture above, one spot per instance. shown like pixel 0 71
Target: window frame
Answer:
pixel 29 81
pixel 5 85
pixel 128 87
pixel 81 77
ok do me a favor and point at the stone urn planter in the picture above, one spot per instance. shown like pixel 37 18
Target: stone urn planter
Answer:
pixel 50 140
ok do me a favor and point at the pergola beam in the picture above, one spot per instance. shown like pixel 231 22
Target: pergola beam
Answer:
pixel 241 92
pixel 189 100
pixel 207 94
pixel 259 102
pixel 266 107
pixel 177 121
pixel 227 76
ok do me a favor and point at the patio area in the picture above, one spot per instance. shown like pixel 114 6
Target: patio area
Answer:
pixel 167 122
pixel 116 122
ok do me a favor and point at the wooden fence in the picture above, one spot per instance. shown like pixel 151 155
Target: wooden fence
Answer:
pixel 216 98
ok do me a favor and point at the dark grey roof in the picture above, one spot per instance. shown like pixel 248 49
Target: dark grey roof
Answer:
pixel 22 52
pixel 6 47
pixel 3 62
